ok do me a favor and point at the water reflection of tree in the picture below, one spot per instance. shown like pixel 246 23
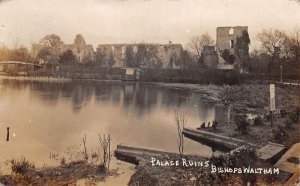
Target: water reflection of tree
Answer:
pixel 14 84
pixel 82 94
pixel 175 97
pixel 137 97
pixel 48 92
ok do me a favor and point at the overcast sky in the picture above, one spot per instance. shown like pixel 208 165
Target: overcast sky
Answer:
pixel 123 21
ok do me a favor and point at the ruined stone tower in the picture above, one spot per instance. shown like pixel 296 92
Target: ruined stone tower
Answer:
pixel 79 40
pixel 226 37
pixel 83 52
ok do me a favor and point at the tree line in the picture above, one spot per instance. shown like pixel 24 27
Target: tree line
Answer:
pixel 18 53
pixel 277 47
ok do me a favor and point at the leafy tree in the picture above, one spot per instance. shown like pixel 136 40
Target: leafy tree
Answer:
pixel 52 41
pixel 88 58
pixel 129 57
pixel 229 58
pixel 173 61
pixel 241 47
pixel 196 44
pixel 241 123
pixel 147 56
pixel 294 43
pixel 225 54
pixel 111 59
pixel 48 55
pixel 176 59
pixel 187 60
pixel 141 55
pixel 67 57
pixel 100 59
pixel 16 54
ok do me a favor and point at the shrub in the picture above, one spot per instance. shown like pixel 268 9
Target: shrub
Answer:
pixel 244 158
pixel 283 112
pixel 288 123
pixel 294 116
pixel 21 166
pixel 258 121
pixel 63 161
pixel 279 134
pixel 297 110
pixel 241 123
pixel 267 117
pixel 214 125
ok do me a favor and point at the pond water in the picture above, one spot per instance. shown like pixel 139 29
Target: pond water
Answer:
pixel 52 118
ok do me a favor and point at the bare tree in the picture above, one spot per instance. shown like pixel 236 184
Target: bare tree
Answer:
pixel 196 44
pixel 21 53
pixel 181 121
pixel 86 157
pixel 273 42
pixel 295 43
pixel 105 143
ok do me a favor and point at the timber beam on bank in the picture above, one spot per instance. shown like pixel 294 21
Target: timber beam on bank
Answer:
pixel 215 140
pixel 131 154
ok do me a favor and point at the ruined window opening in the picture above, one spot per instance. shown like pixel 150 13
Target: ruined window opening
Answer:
pixel 123 51
pixel 231 31
pixel 231 43
pixel 135 49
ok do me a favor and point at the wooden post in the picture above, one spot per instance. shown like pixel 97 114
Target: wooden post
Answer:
pixel 272 101
pixel 280 73
pixel 271 113
pixel 7 134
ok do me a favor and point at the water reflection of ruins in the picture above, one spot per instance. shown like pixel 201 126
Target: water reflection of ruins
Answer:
pixel 140 98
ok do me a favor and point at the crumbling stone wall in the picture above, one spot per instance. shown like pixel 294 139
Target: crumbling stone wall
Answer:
pixel 110 55
pixel 210 57
pixel 83 52
pixel 168 54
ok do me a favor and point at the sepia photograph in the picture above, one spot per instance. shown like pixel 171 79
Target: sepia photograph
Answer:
pixel 150 92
